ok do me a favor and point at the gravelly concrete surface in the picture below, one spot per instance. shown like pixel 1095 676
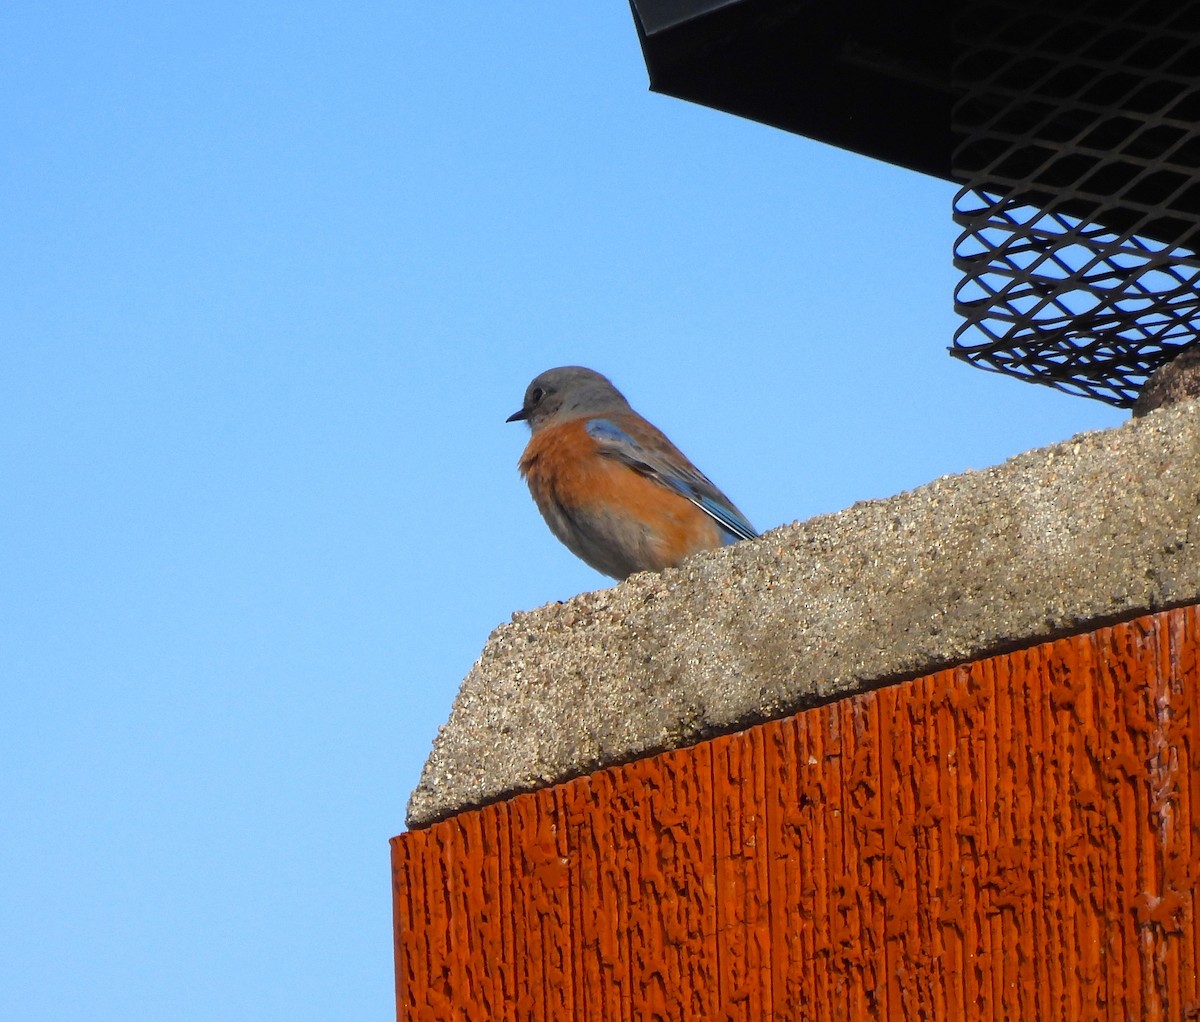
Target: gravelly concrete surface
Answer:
pixel 1100 527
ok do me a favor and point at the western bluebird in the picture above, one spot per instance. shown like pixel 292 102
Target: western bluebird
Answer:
pixel 610 485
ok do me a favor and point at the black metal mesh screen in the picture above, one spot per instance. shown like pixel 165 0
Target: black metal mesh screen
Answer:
pixel 1077 130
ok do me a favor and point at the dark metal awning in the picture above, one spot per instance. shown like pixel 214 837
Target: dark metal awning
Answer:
pixel 1072 126
pixel 867 76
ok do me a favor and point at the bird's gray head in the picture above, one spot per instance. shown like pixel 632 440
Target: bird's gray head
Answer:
pixel 566 393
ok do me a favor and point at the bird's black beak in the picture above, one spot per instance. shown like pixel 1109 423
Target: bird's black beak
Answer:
pixel 518 416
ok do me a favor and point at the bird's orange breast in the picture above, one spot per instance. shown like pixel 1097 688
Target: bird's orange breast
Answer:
pixel 567 474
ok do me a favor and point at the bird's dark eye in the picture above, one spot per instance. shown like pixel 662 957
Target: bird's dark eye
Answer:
pixel 536 395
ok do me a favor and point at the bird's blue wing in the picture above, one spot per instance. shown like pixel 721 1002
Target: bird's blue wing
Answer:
pixel 658 459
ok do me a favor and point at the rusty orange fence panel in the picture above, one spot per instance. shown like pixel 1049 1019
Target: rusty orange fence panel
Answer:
pixel 1016 838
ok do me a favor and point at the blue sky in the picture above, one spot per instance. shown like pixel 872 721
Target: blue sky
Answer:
pixel 272 278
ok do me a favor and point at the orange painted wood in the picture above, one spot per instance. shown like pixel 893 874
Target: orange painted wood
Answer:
pixel 1013 839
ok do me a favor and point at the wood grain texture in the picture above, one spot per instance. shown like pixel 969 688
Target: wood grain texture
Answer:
pixel 1012 839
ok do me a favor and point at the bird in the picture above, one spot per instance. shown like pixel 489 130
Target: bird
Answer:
pixel 610 485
